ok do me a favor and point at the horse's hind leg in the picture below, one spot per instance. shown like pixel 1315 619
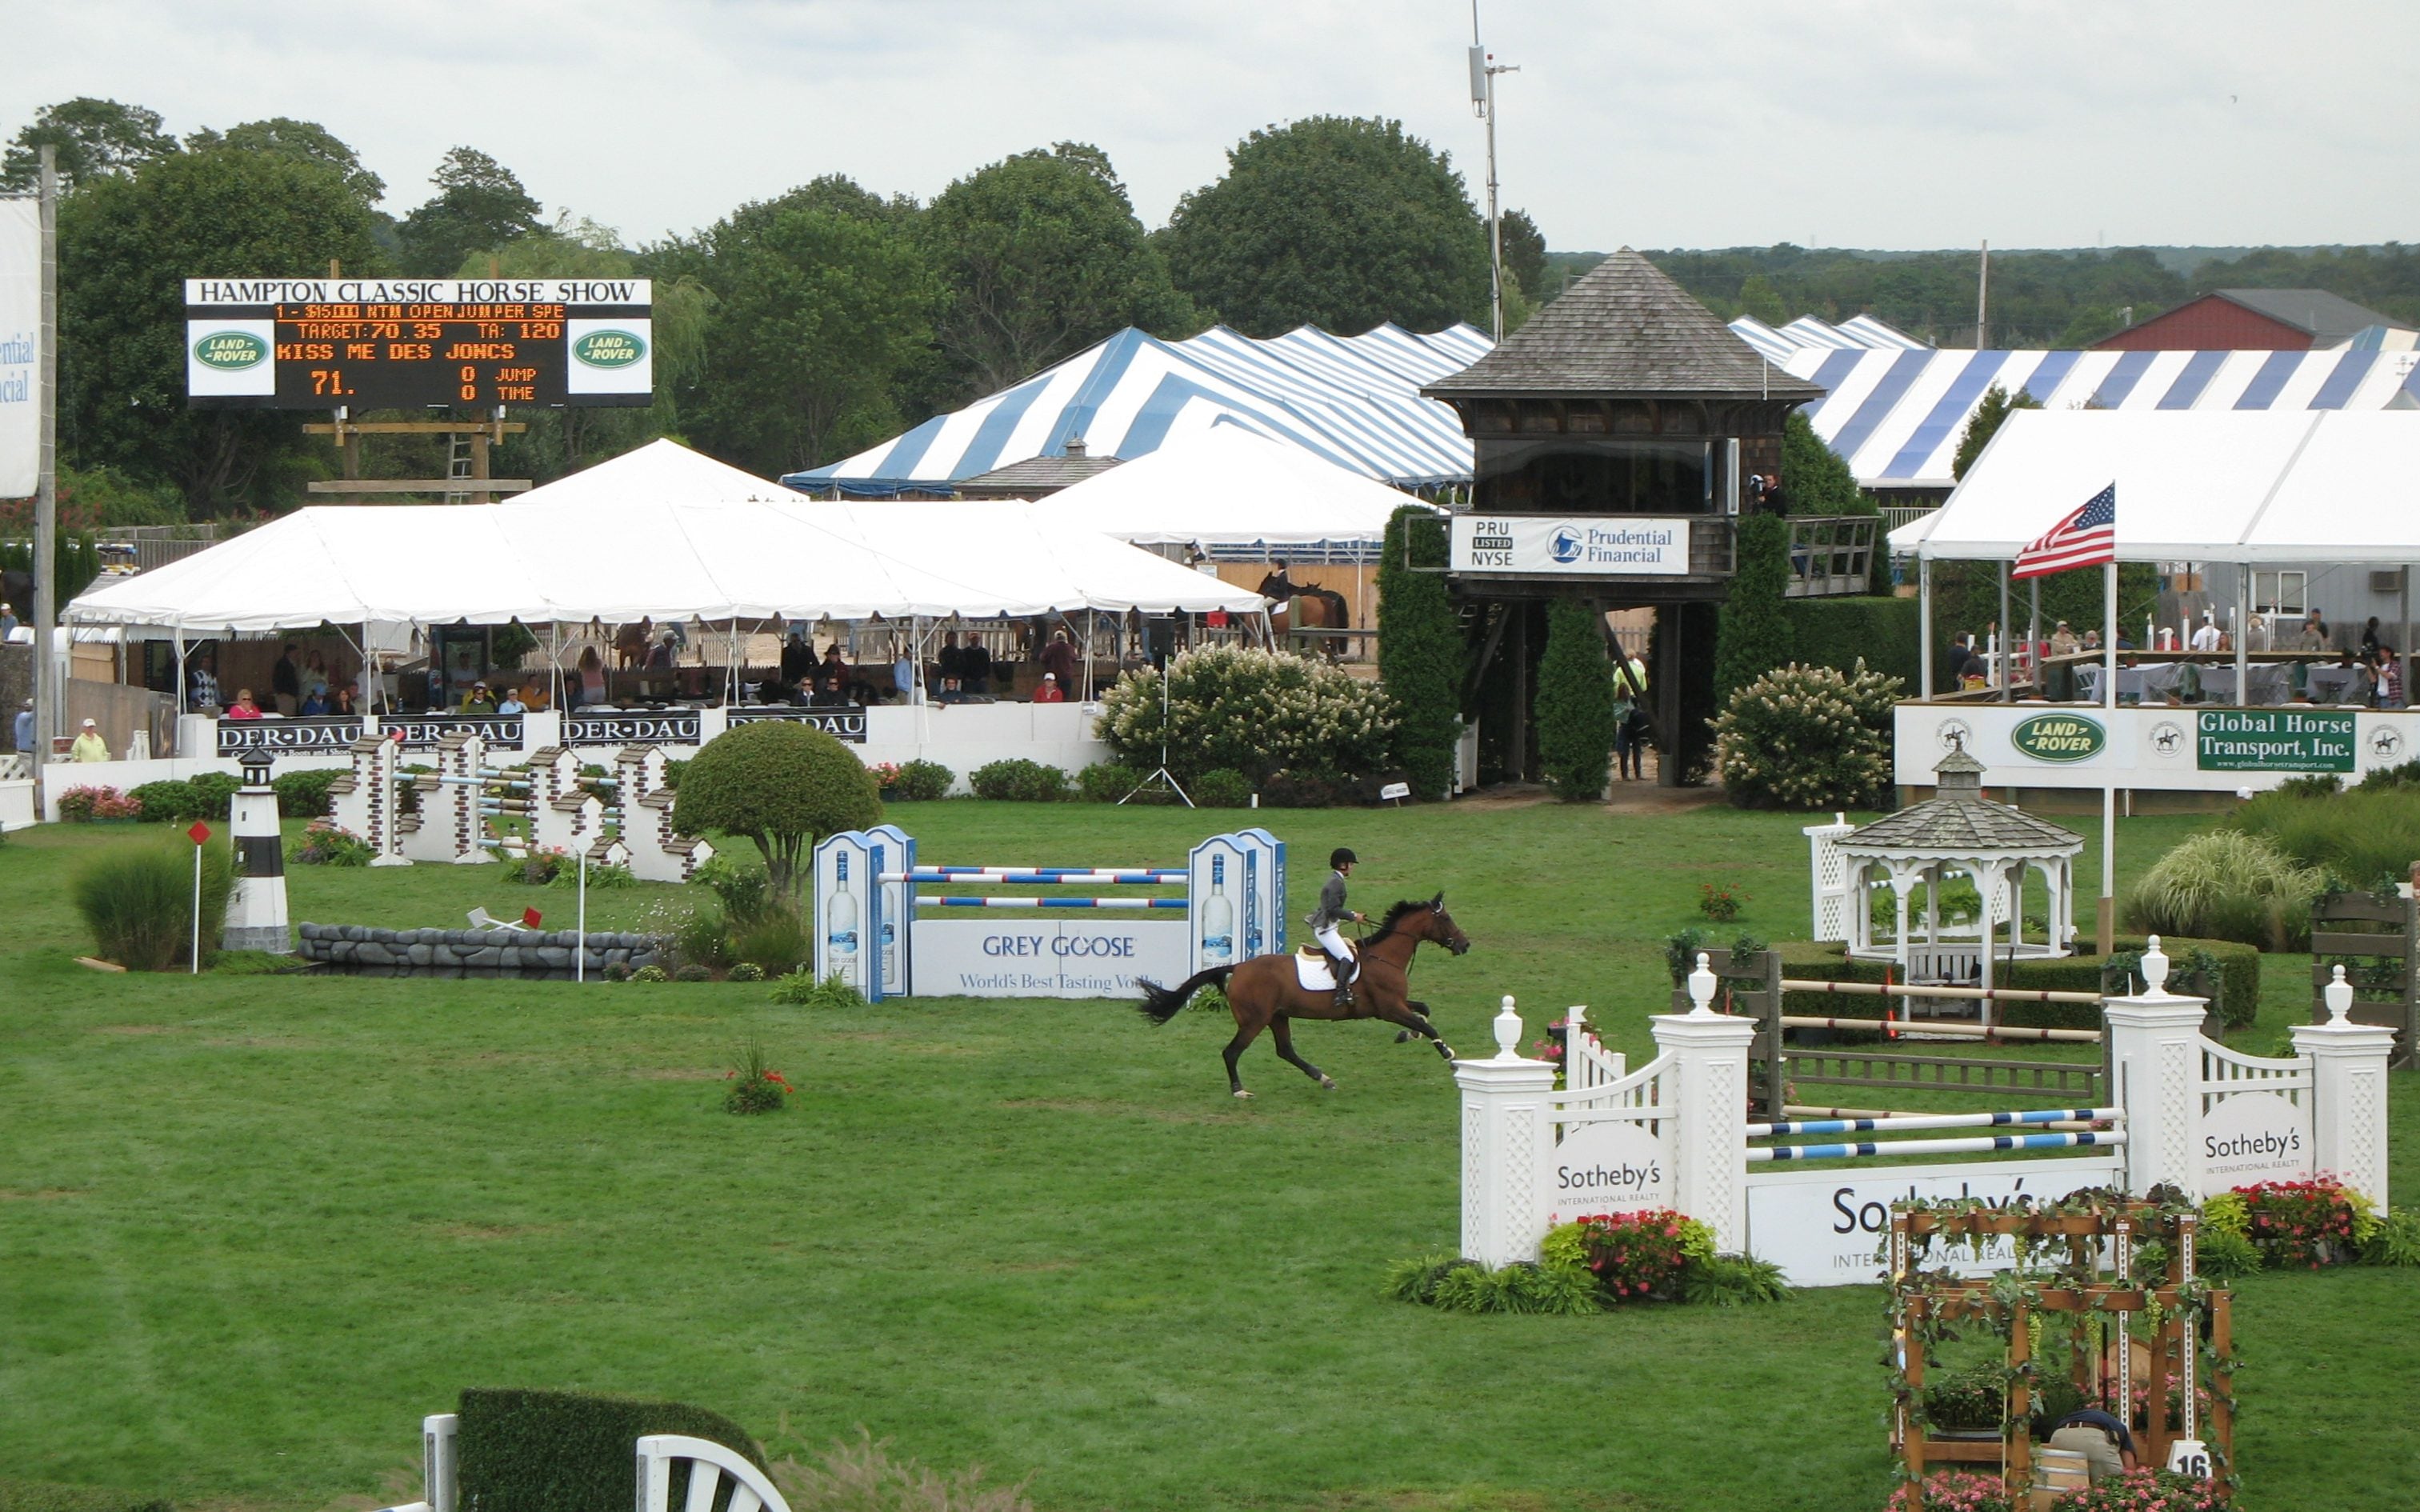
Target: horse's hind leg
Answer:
pixel 1245 1034
pixel 1416 1021
pixel 1281 1035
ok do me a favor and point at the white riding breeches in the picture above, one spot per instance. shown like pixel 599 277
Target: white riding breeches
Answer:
pixel 1332 941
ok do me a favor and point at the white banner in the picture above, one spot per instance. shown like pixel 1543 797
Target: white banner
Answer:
pixel 1826 1228
pixel 1606 1167
pixel 2254 1136
pixel 21 324
pixel 1042 952
pixel 1593 545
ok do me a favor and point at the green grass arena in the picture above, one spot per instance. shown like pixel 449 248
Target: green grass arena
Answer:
pixel 251 1229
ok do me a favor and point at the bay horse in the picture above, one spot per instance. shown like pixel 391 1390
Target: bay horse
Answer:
pixel 1265 993
pixel 1300 606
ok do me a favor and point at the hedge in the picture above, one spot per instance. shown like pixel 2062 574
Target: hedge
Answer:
pixel 46 1496
pixel 1835 632
pixel 2237 999
pixel 541 1451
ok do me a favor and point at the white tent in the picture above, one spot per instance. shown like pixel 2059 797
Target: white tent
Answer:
pixel 660 471
pixel 621 561
pixel 1227 485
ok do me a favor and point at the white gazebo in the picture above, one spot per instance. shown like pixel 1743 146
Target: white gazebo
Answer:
pixel 1957 832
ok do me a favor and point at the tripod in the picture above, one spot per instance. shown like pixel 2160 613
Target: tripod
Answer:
pixel 1161 777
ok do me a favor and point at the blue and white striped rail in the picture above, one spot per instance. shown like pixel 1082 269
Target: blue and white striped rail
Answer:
pixel 1051 902
pixel 1935 1120
pixel 1046 876
pixel 1983 1146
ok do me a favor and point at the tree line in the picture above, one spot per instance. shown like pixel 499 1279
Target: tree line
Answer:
pixel 790 333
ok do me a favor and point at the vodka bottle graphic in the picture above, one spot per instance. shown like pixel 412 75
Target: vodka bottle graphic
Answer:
pixel 842 938
pixel 1252 905
pixel 1217 919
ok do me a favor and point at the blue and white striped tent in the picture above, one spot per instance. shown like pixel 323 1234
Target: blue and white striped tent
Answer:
pixel 1354 400
pixel 1896 416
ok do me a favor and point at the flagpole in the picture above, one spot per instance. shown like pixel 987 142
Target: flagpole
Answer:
pixel 2108 939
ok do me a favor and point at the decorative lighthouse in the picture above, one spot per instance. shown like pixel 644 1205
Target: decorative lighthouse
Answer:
pixel 255 915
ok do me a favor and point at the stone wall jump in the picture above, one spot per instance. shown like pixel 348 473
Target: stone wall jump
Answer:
pixel 535 954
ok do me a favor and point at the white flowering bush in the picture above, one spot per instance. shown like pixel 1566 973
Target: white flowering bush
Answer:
pixel 1807 737
pixel 1252 712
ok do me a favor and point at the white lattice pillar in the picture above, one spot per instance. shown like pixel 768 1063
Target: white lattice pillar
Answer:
pixel 1504 1138
pixel 1831 892
pixel 1706 1081
pixel 2347 1094
pixel 2155 1075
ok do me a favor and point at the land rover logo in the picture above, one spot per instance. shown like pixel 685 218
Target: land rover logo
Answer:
pixel 610 348
pixel 2058 737
pixel 230 351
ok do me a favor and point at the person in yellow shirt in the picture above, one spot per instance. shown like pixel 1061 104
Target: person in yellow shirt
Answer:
pixel 90 746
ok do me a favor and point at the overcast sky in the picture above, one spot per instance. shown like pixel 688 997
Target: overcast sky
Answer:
pixel 1912 123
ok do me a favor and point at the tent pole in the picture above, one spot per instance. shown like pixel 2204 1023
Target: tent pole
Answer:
pixel 2034 640
pixel 2007 690
pixel 2244 635
pixel 1924 623
pixel 2107 931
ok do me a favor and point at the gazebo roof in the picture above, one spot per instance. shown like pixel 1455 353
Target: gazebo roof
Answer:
pixel 1960 821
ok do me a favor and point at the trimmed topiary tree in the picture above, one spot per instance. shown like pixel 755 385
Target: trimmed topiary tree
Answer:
pixel 1807 737
pixel 1419 652
pixel 1752 631
pixel 783 785
pixel 1574 703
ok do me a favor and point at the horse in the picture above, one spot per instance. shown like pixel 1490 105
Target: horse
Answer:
pixel 1265 993
pixel 632 644
pixel 1298 606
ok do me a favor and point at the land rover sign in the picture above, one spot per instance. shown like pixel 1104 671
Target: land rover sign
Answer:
pixel 2058 737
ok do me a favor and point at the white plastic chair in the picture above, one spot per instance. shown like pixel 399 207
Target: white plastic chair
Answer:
pixel 709 1464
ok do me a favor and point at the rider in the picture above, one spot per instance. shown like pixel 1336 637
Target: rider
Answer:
pixel 1332 912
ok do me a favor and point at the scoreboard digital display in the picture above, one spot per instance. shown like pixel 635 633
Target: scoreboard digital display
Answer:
pixel 411 343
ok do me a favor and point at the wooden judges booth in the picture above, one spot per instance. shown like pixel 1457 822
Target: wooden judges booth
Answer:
pixel 1617 437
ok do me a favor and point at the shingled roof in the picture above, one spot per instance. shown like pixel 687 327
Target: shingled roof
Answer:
pixel 1625 329
pixel 1960 820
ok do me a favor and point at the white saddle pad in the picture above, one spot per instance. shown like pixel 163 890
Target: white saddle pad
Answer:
pixel 1313 971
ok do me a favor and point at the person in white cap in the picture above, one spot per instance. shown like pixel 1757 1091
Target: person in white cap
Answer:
pixel 88 745
pixel 23 729
pixel 1049 693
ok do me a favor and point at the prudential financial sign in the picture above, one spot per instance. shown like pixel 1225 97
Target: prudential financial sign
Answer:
pixel 1587 545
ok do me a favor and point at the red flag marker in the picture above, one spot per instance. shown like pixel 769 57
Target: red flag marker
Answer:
pixel 529 918
pixel 199 834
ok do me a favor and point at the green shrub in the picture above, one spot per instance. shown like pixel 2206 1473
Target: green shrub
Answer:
pixel 1017 780
pixel 1298 789
pixel 692 973
pixel 861 1476
pixel 782 784
pixel 673 774
pixel 600 874
pixel 322 843
pixel 303 794
pixel 747 971
pixel 1249 711
pixel 1841 632
pixel 777 943
pixel 756 1086
pixel 214 791
pixel 537 1451
pixel 1732 1281
pixel 651 973
pixel 922 781
pixel 46 1496
pixel 1968 1399
pixel 1224 788
pixel 700 937
pixel 167 801
pixel 2395 1240
pixel 1807 737
pixel 1458 1285
pixel 746 892
pixel 1420 649
pixel 1753 633
pixel 138 902
pixel 2220 1255
pixel 2360 836
pixel 2227 885
pixel 800 990
pixel 1574 703
pixel 1109 782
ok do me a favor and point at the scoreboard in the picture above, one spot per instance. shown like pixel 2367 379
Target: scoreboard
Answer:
pixel 409 343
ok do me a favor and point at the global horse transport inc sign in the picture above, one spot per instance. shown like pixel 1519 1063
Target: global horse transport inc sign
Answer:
pixel 2273 740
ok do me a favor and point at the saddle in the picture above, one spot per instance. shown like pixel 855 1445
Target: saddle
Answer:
pixel 1311 971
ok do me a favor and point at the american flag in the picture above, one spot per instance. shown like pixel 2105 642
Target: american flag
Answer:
pixel 2087 538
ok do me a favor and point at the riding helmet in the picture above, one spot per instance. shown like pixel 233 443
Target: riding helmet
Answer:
pixel 1341 857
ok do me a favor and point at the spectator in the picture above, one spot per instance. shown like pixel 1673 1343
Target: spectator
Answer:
pixel 1954 666
pixel 8 620
pixel 798 657
pixel 479 700
pixel 243 707
pixel 1629 721
pixel 903 677
pixel 951 662
pixel 2315 636
pixel 830 693
pixel 346 700
pixel 952 692
pixel 1060 659
pixel 511 702
pixel 315 677
pixel 1050 692
pixel 2388 669
pixel 2208 637
pixel 2091 640
pixel 834 665
pixel 285 681
pixel 591 687
pixel 661 658
pixel 2107 1448
pixel 535 696
pixel 314 703
pixel 975 671
pixel 2257 634
pixel 202 681
pixel 88 745
pixel 2063 641
pixel 24 731
pixel 2369 637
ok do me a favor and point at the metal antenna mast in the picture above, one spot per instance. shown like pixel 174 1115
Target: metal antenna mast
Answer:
pixel 1482 102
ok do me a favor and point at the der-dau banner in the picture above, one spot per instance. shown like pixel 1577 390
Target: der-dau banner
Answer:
pixel 409 343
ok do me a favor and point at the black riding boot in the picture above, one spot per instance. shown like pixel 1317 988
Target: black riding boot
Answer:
pixel 1342 971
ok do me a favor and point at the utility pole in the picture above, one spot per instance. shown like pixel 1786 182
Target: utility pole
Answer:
pixel 1982 293
pixel 50 711
pixel 1483 101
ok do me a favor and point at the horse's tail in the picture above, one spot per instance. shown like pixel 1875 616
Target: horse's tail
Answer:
pixel 1161 1004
